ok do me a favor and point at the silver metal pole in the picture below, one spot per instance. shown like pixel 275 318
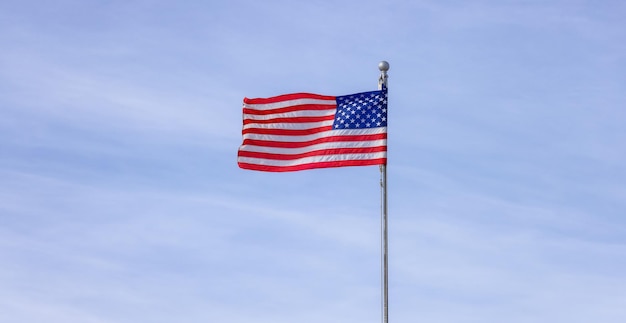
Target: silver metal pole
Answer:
pixel 382 82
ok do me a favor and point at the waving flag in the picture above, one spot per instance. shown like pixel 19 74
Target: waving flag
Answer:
pixel 301 131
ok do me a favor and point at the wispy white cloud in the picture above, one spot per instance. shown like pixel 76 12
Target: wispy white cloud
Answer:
pixel 148 246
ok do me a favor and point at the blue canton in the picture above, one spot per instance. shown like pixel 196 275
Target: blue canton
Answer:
pixel 361 110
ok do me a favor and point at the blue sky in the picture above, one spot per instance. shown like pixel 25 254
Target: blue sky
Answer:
pixel 121 199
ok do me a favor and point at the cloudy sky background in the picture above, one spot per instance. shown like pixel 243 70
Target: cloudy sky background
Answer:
pixel 121 199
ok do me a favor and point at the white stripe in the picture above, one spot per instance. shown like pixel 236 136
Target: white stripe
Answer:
pixel 314 159
pixel 288 103
pixel 293 114
pixel 327 145
pixel 291 126
pixel 343 132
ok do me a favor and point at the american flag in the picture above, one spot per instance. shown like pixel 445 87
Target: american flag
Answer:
pixel 301 131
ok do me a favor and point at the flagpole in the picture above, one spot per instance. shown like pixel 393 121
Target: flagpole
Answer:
pixel 382 83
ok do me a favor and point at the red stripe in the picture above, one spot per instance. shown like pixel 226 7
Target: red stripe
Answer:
pixel 287 132
pixel 265 168
pixel 321 152
pixel 302 107
pixel 286 97
pixel 290 144
pixel 290 120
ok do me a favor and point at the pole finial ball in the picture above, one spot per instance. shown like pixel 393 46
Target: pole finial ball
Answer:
pixel 383 66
